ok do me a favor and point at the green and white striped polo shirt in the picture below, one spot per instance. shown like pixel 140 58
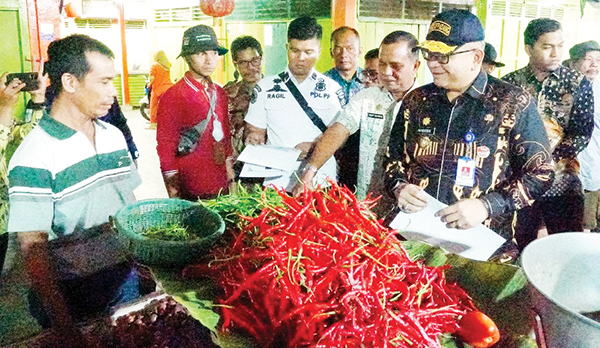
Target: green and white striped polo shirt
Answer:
pixel 61 184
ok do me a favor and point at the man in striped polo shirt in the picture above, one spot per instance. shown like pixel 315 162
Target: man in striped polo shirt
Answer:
pixel 68 176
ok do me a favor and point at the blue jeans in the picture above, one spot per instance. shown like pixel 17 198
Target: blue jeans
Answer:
pixel 92 295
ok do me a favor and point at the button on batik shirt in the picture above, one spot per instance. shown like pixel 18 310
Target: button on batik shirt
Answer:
pixel 511 151
pixel 565 102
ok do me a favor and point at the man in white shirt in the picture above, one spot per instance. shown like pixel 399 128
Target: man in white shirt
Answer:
pixel 373 111
pixel 275 116
pixel 585 57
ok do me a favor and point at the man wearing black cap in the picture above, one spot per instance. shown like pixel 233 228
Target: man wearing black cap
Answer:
pixel 489 60
pixel 585 58
pixel 565 103
pixel 468 139
pixel 193 133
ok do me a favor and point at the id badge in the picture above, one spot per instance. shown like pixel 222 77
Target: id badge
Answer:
pixel 465 172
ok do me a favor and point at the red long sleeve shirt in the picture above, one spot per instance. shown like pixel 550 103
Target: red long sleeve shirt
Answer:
pixel 183 106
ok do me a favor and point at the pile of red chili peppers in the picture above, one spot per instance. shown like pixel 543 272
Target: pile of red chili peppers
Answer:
pixel 323 272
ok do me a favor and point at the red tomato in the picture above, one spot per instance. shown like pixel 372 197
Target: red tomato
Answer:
pixel 478 330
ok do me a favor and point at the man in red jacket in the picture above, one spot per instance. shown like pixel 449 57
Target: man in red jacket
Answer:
pixel 192 123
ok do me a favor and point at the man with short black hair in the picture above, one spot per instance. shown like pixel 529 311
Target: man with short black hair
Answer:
pixel 193 136
pixel 369 73
pixel 585 58
pixel 275 115
pixel 565 103
pixel 246 53
pixel 372 112
pixel 469 140
pixel 70 174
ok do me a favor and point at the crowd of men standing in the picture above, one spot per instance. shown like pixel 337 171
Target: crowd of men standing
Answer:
pixel 511 153
pixel 503 152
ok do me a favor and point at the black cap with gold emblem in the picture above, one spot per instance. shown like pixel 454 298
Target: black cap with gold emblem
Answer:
pixel 451 29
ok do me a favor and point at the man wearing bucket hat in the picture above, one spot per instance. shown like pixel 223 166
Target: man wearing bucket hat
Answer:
pixel 193 134
pixel 489 60
pixel 468 139
pixel 565 103
pixel 585 58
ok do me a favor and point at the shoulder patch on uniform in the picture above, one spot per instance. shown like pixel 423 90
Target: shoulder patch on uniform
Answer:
pixel 255 92
pixel 277 88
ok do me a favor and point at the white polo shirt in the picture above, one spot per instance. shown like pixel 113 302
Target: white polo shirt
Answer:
pixel 62 184
pixel 274 108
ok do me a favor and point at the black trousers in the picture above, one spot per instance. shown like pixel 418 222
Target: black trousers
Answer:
pixel 560 214
pixel 3 248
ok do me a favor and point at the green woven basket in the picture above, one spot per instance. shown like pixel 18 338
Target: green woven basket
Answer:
pixel 134 218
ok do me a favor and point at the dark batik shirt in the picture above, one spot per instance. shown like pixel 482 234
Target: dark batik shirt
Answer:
pixel 511 150
pixel 240 94
pixel 350 88
pixel 565 101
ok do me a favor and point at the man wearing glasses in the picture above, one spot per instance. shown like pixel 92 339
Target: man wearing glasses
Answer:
pixel 372 112
pixel 585 58
pixel 246 53
pixel 369 75
pixel 468 139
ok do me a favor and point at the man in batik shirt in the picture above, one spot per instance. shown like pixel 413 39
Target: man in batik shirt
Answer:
pixel 565 103
pixel 469 140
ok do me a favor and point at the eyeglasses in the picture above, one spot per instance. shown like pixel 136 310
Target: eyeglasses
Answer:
pixel 591 60
pixel 368 74
pixel 255 62
pixel 441 58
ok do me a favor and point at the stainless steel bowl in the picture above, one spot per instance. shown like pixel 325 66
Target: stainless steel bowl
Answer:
pixel 564 274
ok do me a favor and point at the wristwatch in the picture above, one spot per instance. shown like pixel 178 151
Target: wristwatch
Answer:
pixel 310 167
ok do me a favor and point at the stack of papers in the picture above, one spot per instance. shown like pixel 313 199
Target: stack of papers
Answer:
pixel 477 243
pixel 265 161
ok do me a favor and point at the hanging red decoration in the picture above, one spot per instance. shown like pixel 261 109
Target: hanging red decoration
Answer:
pixel 217 8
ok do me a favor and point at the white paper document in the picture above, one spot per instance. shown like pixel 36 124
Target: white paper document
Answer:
pixel 477 243
pixel 250 170
pixel 268 161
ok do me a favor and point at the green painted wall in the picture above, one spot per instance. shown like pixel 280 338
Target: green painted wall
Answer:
pixel 14 40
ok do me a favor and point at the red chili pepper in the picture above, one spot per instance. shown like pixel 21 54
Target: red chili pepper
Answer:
pixel 323 272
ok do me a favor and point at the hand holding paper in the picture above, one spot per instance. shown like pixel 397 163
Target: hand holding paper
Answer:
pixel 465 214
pixel 477 243
pixel 411 198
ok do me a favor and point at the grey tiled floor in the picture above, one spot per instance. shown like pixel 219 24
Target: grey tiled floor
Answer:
pixel 152 184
